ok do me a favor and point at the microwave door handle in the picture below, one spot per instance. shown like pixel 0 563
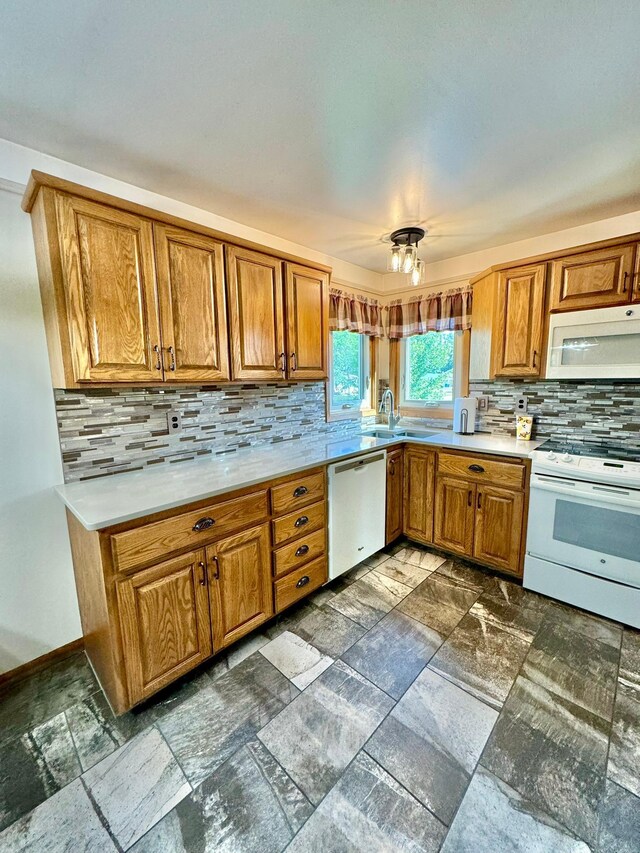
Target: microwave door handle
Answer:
pixel 622 498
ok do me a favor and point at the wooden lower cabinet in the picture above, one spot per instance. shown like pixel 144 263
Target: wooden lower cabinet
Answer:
pixel 394 495
pixel 419 468
pixel 454 515
pixel 164 615
pixel 239 584
pixel 498 528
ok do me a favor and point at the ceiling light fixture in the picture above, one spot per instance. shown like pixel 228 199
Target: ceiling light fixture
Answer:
pixel 404 253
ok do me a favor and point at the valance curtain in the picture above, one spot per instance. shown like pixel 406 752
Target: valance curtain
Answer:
pixel 351 313
pixel 449 311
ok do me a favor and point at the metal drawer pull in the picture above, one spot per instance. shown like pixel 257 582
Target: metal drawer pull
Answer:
pixel 217 572
pixel 304 580
pixel 156 349
pixel 203 524
pixel 172 366
pixel 302 550
pixel 477 469
pixel 300 491
pixel 203 577
pixel 300 522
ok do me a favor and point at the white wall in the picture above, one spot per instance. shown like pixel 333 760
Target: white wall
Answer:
pixel 38 608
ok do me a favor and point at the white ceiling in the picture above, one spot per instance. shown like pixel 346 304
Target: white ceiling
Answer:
pixel 332 122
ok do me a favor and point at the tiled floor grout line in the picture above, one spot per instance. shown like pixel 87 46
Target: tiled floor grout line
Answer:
pixel 101 816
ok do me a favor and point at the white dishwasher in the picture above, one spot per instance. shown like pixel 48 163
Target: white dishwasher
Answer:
pixel 357 510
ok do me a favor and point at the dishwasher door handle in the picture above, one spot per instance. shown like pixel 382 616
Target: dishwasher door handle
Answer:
pixel 359 463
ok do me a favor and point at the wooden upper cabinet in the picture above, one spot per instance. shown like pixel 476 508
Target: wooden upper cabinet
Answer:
pixel 519 321
pixel 307 305
pixel 454 515
pixel 110 288
pixel 190 270
pixel 394 495
pixel 593 279
pixel 256 315
pixel 241 591
pixel 498 527
pixel 419 473
pixel 164 616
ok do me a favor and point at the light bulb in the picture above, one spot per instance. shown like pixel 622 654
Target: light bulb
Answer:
pixel 408 259
pixel 417 273
pixel 395 259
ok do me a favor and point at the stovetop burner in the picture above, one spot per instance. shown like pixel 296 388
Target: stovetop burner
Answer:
pixel 583 448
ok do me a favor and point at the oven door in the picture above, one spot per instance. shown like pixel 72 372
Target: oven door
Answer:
pixel 587 526
pixel 601 343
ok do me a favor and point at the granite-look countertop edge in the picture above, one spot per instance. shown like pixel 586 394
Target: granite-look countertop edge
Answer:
pixel 106 501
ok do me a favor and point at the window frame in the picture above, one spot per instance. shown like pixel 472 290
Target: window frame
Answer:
pixel 443 409
pixel 367 405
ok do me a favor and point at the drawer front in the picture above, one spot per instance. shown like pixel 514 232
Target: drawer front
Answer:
pixel 299 523
pixel 298 584
pixel 481 470
pixel 296 493
pixel 157 540
pixel 299 552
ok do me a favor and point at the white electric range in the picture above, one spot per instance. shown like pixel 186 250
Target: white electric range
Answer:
pixel 583 538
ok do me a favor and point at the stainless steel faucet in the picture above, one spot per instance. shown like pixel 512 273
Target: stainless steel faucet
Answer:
pixel 392 417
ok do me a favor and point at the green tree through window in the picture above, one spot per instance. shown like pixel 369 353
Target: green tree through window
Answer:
pixel 429 367
pixel 347 370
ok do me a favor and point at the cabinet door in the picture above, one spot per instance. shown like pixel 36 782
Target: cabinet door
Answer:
pixel 394 495
pixel 110 286
pixel 166 630
pixel 498 529
pixel 592 279
pixel 307 322
pixel 454 515
pixel 419 472
pixel 520 319
pixel 192 305
pixel 256 315
pixel 240 584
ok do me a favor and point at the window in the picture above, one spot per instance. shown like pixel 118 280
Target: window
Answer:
pixel 350 377
pixel 431 374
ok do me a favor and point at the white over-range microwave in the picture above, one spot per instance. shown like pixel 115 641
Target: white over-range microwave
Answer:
pixel 603 343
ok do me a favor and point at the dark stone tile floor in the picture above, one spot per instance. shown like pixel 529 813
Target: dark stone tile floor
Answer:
pixel 444 708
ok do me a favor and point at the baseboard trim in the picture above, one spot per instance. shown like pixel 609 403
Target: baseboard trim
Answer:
pixel 26 669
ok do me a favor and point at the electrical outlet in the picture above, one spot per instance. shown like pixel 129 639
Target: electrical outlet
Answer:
pixel 174 422
pixel 483 402
pixel 522 404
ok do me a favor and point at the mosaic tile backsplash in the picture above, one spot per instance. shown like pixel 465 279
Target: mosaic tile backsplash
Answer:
pixel 603 412
pixel 107 431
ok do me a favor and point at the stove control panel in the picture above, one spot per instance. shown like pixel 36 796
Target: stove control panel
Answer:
pixel 586 464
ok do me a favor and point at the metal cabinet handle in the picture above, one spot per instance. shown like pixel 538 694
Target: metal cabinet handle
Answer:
pixel 535 357
pixel 171 352
pixel 392 467
pixel 203 524
pixel 624 282
pixel 300 522
pixel 477 469
pixel 203 577
pixel 216 574
pixel 469 497
pixel 304 580
pixel 302 550
pixel 300 491
pixel 283 362
pixel 294 361
pixel 156 349
pixel 479 500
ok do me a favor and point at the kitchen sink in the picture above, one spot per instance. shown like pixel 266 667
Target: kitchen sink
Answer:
pixel 417 434
pixel 385 432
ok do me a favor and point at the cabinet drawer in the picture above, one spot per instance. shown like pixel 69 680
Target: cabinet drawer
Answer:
pixel 481 470
pixel 298 523
pixel 299 552
pixel 158 539
pixel 298 584
pixel 296 493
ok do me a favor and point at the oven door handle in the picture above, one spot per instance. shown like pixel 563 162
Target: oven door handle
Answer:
pixel 595 492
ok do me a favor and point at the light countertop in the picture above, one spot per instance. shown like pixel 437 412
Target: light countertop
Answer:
pixel 110 500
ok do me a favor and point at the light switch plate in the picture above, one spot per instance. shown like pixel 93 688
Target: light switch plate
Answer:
pixel 174 422
pixel 522 404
